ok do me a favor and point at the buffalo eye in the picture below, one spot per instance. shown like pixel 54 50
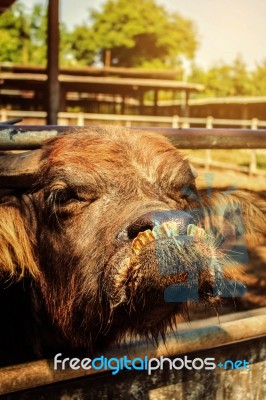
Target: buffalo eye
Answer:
pixel 63 197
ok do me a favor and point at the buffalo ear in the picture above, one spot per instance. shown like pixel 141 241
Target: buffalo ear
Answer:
pixel 16 250
pixel 242 204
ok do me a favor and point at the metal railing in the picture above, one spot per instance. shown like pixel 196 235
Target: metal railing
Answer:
pixel 176 122
pixel 27 137
pixel 197 337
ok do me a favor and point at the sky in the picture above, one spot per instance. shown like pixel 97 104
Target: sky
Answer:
pixel 227 28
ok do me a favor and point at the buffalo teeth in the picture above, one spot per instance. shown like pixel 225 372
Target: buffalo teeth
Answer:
pixel 200 232
pixel 142 239
pixel 193 230
pixel 157 232
pixel 170 228
pixel 166 230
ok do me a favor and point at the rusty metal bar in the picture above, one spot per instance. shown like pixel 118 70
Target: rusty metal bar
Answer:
pixel 205 335
pixel 196 138
pixel 11 121
pixel 28 137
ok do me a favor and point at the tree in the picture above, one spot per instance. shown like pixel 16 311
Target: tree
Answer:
pixel 23 36
pixel 142 34
pixel 82 45
pixel 241 78
pixel 14 35
pixel 37 21
pixel 258 79
pixel 224 79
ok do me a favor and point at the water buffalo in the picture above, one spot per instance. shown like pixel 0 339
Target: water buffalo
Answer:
pixel 102 224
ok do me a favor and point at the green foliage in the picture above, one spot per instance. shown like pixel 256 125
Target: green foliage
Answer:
pixel 82 45
pixel 14 35
pixel 139 34
pixel 225 79
pixel 142 34
pixel 38 25
pixel 258 79
pixel 23 36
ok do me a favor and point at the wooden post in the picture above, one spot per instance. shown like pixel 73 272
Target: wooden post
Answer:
pixel 53 62
pixel 208 155
pixel 122 109
pixel 184 103
pixel 175 121
pixel 80 119
pixel 114 104
pixel 141 102
pixel 63 100
pixel 155 102
pixel 253 155
pixel 244 115
pixel 176 109
pixel 252 162
pixel 3 115
pixel 107 58
pixel 254 124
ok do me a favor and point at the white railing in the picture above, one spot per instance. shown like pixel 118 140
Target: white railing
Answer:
pixel 80 119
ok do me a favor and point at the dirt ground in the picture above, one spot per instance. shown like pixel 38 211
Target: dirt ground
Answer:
pixel 254 272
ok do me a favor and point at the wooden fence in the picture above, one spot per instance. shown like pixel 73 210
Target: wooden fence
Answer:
pixel 81 119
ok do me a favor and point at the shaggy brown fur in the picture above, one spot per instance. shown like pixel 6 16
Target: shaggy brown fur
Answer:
pixel 16 252
pixel 71 237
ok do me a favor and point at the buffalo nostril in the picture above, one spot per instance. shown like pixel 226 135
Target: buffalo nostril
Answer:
pixel 141 224
pixel 134 229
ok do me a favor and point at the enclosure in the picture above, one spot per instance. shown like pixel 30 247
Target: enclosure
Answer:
pixel 234 336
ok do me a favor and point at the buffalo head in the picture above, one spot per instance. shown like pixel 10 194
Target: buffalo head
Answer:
pixel 106 227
